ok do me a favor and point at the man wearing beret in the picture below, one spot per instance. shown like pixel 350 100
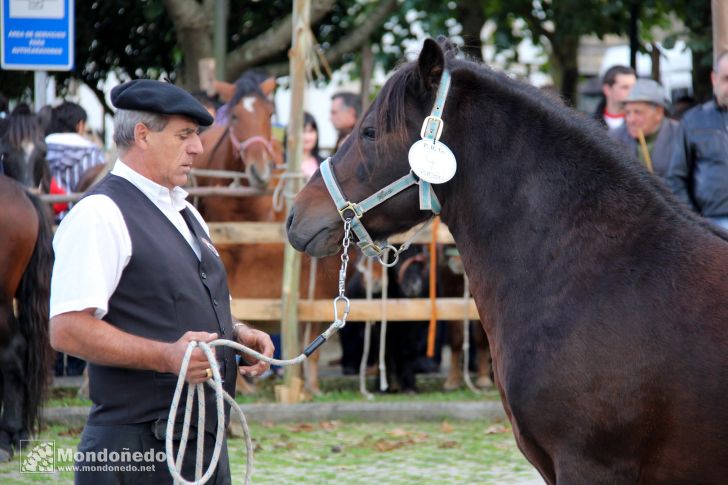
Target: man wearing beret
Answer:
pixel 136 278
pixel 645 110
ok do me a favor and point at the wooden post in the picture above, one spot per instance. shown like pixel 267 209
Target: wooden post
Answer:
pixel 292 258
pixel 720 27
pixel 220 38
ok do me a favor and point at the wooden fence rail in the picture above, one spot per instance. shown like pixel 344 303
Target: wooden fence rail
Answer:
pixel 398 310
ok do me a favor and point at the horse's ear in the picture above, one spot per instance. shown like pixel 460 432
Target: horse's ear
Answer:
pixel 268 86
pixel 430 64
pixel 224 90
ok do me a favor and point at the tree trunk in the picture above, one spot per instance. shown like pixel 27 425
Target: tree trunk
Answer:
pixel 352 42
pixel 193 27
pixel 271 42
pixel 472 18
pixel 565 67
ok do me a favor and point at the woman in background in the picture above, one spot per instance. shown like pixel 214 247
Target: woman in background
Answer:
pixel 311 157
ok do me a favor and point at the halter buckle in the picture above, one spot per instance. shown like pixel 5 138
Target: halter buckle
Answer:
pixel 438 130
pixel 353 207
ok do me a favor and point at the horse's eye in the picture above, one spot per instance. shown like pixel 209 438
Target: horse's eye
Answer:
pixel 369 133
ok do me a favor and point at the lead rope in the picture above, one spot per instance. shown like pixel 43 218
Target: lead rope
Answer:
pixel 369 280
pixel 175 465
pixel 383 384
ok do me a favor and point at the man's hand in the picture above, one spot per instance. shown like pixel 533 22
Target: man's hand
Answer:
pixel 256 340
pixel 197 371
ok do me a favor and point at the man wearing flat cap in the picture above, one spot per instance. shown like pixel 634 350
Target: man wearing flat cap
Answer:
pixel 136 278
pixel 647 132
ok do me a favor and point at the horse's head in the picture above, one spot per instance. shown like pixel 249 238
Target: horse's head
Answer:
pixel 23 149
pixel 249 109
pixel 374 156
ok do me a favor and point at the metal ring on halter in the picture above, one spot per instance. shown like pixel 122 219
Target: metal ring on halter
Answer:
pixel 384 254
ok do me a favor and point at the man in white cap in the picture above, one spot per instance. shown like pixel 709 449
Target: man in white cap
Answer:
pixel 136 278
pixel 647 131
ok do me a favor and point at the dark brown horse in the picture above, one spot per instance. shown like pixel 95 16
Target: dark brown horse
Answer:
pixel 26 258
pixel 602 296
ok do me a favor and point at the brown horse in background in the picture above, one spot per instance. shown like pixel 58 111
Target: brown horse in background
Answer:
pixel 26 259
pixel 451 283
pixel 603 297
pixel 244 145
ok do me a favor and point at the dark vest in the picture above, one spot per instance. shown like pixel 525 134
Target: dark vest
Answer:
pixel 164 292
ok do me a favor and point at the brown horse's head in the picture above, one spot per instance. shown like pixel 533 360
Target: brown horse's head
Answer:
pixel 374 156
pixel 248 129
pixel 23 150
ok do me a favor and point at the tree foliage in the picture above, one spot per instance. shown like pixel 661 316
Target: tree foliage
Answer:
pixel 149 38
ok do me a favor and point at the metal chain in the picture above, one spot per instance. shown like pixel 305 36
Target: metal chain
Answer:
pixel 340 322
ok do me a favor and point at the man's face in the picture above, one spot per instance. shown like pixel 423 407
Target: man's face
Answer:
pixel 720 82
pixel 617 92
pixel 342 117
pixel 643 116
pixel 170 152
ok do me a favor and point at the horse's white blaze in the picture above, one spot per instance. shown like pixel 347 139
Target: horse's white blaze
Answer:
pixel 248 103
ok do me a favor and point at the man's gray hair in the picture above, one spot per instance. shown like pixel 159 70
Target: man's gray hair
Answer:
pixel 125 120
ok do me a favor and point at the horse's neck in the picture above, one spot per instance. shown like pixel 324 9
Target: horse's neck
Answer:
pixel 539 214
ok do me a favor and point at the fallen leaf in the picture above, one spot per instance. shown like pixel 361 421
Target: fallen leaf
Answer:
pixel 302 427
pixel 389 445
pixel 446 427
pixel 496 429
pixel 398 432
pixel 448 444
pixel 329 425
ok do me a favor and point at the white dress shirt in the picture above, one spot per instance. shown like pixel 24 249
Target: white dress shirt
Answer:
pixel 92 244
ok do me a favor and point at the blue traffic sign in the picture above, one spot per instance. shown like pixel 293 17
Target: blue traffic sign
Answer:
pixel 37 35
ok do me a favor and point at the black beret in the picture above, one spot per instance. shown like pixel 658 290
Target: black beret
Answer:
pixel 159 97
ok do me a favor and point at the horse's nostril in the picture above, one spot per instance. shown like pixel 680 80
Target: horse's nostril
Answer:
pixel 289 220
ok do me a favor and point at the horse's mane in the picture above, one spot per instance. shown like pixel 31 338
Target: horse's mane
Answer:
pixel 578 129
pixel 23 125
pixel 248 83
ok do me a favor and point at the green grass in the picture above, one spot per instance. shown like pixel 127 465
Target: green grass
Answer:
pixel 353 453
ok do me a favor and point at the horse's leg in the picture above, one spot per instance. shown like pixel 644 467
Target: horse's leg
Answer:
pixel 455 375
pixel 483 357
pixel 12 363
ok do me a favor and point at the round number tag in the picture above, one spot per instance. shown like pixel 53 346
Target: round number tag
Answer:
pixel 432 161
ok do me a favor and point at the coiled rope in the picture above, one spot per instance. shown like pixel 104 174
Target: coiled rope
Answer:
pixel 175 465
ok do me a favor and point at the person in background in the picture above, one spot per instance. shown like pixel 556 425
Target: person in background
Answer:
pixel 616 83
pixel 311 157
pixel 681 106
pixel 646 121
pixel 135 280
pixel 698 172
pixel 70 153
pixel 345 110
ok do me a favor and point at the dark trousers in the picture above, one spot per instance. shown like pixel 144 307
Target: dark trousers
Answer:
pixel 140 442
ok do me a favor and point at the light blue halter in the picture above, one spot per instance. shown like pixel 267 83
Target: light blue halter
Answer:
pixel 431 130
